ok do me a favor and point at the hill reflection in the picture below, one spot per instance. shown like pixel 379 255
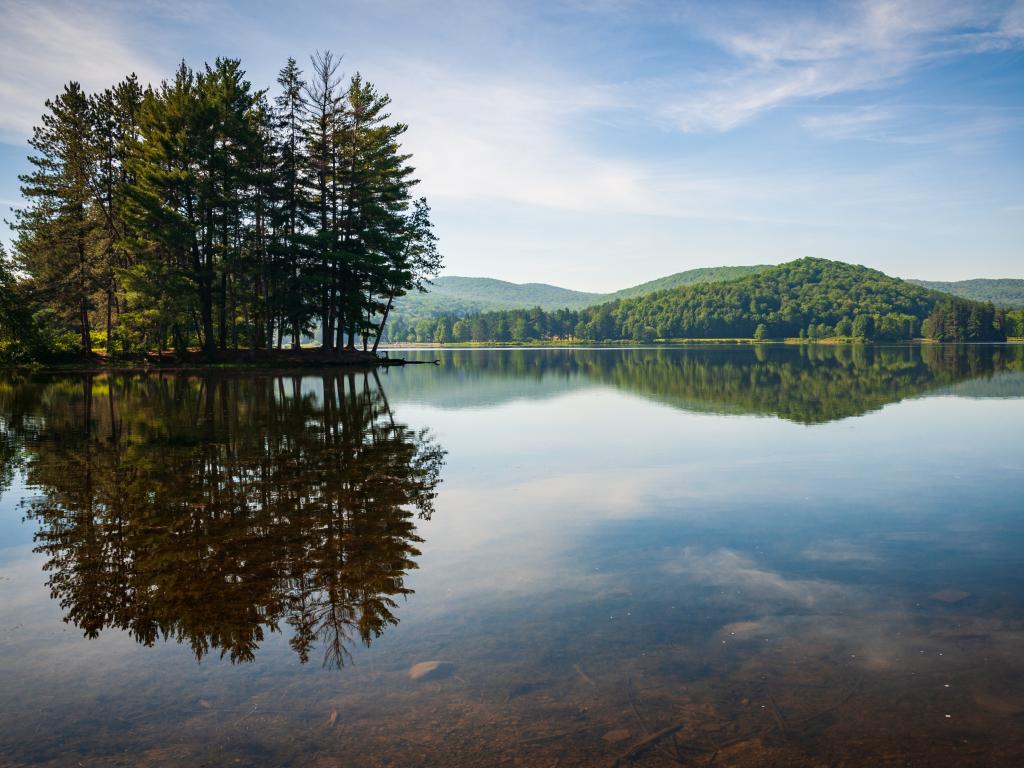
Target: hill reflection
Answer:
pixel 808 384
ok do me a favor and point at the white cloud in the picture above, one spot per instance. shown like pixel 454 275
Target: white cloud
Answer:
pixel 952 126
pixel 862 122
pixel 862 47
pixel 514 140
pixel 728 568
pixel 45 45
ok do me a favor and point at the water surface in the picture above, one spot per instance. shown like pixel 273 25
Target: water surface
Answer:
pixel 746 556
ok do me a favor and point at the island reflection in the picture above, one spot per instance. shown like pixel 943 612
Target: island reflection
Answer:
pixel 212 510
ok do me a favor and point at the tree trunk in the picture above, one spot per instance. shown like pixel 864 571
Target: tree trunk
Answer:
pixel 383 320
pixel 110 317
pixel 84 298
pixel 223 298
pixel 206 316
pixel 86 335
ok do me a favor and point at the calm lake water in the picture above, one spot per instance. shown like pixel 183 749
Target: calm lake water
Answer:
pixel 770 556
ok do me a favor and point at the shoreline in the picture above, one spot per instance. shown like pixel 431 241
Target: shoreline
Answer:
pixel 360 361
pixel 262 360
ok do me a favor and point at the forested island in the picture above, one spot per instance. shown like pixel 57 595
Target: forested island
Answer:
pixel 204 214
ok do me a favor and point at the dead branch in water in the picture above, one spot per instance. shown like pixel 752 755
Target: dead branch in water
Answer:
pixel 645 744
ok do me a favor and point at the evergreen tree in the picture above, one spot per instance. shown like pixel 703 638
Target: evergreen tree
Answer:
pixel 293 213
pixel 413 259
pixel 56 232
pixel 323 127
pixel 193 168
pixel 115 127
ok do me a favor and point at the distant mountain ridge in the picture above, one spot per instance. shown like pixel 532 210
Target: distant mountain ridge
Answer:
pixel 454 295
pixel 500 294
pixel 1004 292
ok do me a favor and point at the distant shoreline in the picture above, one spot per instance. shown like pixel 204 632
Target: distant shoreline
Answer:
pixel 567 344
pixel 314 359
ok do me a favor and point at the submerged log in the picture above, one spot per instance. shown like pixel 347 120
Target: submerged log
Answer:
pixel 645 744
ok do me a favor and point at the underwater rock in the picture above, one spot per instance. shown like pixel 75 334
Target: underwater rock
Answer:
pixel 950 596
pixel 430 670
pixel 619 734
pixel 999 704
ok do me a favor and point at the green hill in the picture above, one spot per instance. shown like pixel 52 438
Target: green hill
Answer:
pixel 463 296
pixel 485 293
pixel 816 298
pixel 1006 292
pixel 689 277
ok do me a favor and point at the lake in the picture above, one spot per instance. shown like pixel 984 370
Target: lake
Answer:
pixel 745 556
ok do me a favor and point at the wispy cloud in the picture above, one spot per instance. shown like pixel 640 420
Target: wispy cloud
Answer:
pixel 862 122
pixel 952 126
pixel 1009 33
pixel 45 45
pixel 513 140
pixel 728 568
pixel 861 47
pixel 838 551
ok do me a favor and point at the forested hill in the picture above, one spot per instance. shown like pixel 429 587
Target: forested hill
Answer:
pixel 1005 292
pixel 471 295
pixel 810 297
pixel 689 277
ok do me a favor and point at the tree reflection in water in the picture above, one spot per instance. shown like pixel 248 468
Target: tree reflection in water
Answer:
pixel 211 509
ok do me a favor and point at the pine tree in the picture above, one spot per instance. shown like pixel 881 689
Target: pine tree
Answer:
pixel 323 125
pixel 115 125
pixel 56 231
pixel 293 211
pixel 413 261
pixel 376 232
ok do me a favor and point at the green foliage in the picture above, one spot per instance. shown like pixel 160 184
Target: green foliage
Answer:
pixel 1001 292
pixel 1014 323
pixel 689 277
pixel 962 320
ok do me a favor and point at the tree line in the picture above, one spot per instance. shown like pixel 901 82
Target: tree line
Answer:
pixel 808 298
pixel 205 213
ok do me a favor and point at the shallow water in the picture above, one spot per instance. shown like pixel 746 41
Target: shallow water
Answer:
pixel 770 556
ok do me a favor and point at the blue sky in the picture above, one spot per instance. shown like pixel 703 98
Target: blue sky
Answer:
pixel 599 143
